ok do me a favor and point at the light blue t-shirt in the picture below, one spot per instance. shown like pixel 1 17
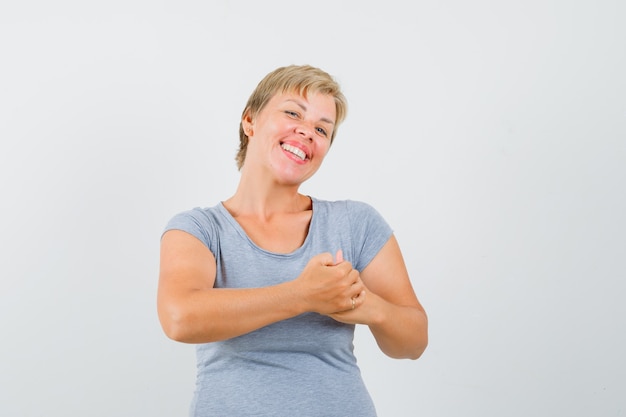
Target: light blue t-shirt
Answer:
pixel 303 366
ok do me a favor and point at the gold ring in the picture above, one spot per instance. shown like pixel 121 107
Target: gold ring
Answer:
pixel 352 303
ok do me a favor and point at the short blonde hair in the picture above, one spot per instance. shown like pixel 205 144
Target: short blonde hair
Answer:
pixel 300 79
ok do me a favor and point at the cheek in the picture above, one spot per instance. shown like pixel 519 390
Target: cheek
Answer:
pixel 279 129
pixel 324 148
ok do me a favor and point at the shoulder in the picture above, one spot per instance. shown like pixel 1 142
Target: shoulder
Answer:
pixel 349 207
pixel 203 223
pixel 365 231
pixel 198 216
pixel 359 217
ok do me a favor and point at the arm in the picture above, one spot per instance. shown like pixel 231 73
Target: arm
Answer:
pixel 390 307
pixel 192 311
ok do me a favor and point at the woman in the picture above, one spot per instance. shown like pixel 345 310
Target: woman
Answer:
pixel 270 283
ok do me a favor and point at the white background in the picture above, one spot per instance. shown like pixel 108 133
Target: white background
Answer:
pixel 490 134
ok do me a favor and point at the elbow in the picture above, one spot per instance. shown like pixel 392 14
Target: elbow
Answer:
pixel 413 352
pixel 172 329
pixel 422 340
pixel 175 324
pixel 184 325
pixel 418 351
pixel 413 345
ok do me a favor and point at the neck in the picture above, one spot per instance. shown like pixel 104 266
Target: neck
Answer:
pixel 257 196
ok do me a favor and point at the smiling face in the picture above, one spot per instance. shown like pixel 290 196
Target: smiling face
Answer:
pixel 301 79
pixel 291 135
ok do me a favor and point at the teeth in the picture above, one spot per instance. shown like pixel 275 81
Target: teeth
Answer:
pixel 297 152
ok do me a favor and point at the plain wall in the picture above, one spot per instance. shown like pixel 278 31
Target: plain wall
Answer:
pixel 491 135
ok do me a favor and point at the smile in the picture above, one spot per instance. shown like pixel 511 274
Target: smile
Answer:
pixel 296 151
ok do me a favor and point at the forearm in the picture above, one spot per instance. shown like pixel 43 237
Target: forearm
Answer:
pixel 208 315
pixel 400 331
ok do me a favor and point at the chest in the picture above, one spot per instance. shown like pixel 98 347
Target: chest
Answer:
pixel 281 234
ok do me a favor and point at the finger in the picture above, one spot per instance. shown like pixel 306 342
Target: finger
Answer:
pixel 359 299
pixel 356 300
pixel 356 280
pixel 339 257
pixel 326 259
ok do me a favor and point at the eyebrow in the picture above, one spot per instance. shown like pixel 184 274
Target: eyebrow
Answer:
pixel 303 107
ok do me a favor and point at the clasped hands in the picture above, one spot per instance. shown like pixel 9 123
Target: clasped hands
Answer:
pixel 333 288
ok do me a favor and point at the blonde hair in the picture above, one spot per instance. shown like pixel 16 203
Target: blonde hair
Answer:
pixel 300 79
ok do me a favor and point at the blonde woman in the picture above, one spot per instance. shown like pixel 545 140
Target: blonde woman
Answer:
pixel 270 283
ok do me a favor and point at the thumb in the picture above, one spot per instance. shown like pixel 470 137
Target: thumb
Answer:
pixel 339 257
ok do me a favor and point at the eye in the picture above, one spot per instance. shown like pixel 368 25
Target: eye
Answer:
pixel 321 131
pixel 292 113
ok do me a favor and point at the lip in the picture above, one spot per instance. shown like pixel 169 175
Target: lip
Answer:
pixel 300 146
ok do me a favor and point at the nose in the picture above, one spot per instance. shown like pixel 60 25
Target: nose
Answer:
pixel 305 130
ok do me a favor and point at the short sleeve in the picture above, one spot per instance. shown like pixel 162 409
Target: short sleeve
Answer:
pixel 369 232
pixel 197 223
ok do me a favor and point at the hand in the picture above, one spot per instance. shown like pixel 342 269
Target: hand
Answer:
pixel 350 316
pixel 330 287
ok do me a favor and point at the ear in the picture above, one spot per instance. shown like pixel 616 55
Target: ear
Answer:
pixel 247 123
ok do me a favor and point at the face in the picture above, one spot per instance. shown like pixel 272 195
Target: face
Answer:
pixel 291 135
